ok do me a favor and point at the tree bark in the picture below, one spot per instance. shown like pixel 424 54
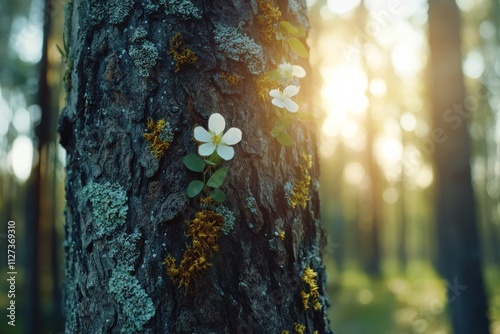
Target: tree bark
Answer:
pixel 459 260
pixel 122 73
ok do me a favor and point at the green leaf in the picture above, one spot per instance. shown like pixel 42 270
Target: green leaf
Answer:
pixel 218 195
pixel 275 132
pixel 301 33
pixel 217 178
pixel 282 123
pixel 289 28
pixel 305 116
pixel 209 162
pixel 194 162
pixel 298 47
pixel 194 188
pixel 284 139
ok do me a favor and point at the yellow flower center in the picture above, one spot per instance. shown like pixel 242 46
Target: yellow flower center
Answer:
pixel 216 139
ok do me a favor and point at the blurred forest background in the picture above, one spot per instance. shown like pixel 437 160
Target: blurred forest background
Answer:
pixel 371 64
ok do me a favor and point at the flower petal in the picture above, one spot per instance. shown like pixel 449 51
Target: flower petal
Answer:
pixel 216 123
pixel 291 106
pixel 275 93
pixel 291 90
pixel 232 136
pixel 298 71
pixel 278 103
pixel 225 152
pixel 202 135
pixel 206 149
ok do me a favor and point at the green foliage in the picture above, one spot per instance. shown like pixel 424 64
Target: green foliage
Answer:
pixel 284 138
pixel 292 35
pixel 217 178
pixel 194 162
pixel 65 51
pixel 298 47
pixel 194 188
pixel 218 195
pixel 109 206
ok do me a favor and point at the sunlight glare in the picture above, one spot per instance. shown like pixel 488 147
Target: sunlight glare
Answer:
pixel 378 87
pixel 406 61
pixel 21 157
pixel 26 40
pixel 344 89
pixel 425 176
pixel 408 121
pixel 354 173
pixel 473 66
pixel 342 6
pixel 390 195
pixel 21 121
pixel 5 115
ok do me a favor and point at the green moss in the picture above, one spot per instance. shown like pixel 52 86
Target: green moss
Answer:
pixel 144 57
pixel 226 214
pixel 182 8
pixel 239 47
pixel 137 305
pixel 109 206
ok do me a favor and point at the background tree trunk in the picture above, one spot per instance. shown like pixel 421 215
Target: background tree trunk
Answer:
pixel 121 74
pixel 459 258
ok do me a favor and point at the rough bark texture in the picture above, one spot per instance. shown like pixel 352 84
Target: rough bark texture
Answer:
pixel 120 75
pixel 459 259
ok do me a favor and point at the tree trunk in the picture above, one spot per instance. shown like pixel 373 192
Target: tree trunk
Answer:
pixel 459 258
pixel 128 211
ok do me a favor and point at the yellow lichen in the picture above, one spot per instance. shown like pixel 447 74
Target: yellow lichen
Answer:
pixel 268 18
pixel 300 192
pixel 310 298
pixel 231 78
pixel 281 235
pixel 299 328
pixel 285 332
pixel 264 86
pixel 181 53
pixel 315 332
pixel 204 231
pixel 160 135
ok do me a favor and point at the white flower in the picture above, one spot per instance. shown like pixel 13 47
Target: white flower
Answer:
pixel 288 71
pixel 215 139
pixel 283 100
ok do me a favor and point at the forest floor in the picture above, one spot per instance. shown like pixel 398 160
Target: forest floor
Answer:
pixel 399 304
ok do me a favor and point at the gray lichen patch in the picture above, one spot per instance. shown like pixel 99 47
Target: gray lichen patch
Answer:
pixel 115 10
pixel 144 57
pixel 118 10
pixel 109 206
pixel 182 8
pixel 139 34
pixel 251 204
pixel 227 214
pixel 239 47
pixel 123 250
pixel 137 306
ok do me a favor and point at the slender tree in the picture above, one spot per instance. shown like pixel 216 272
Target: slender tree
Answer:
pixel 239 250
pixel 459 258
